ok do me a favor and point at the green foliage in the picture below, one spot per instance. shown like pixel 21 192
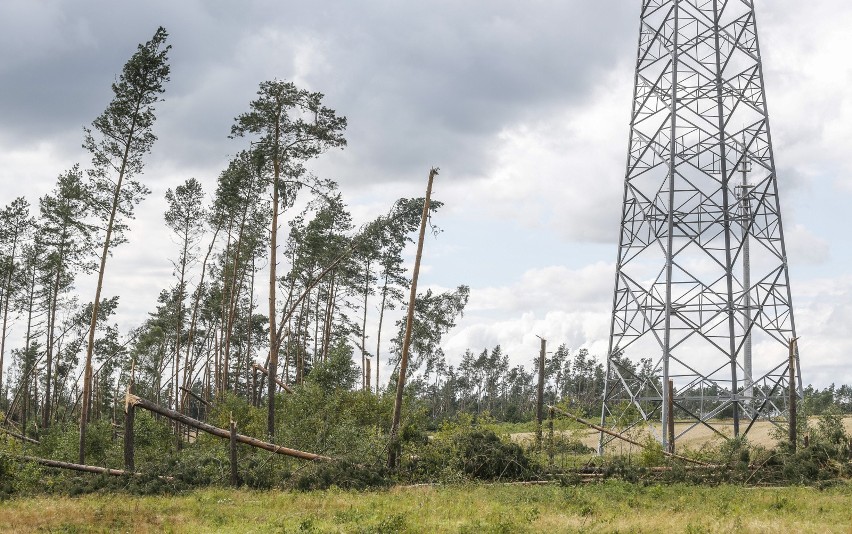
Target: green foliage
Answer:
pixel 827 456
pixel 462 450
pixel 344 475
pixel 652 453
pixel 338 372
pixel 342 424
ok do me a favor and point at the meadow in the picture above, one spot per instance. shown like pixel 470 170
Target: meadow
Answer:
pixel 610 506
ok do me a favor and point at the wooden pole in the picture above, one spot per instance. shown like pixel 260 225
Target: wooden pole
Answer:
pixel 670 410
pixel 409 322
pixel 222 433
pixel 235 477
pixel 539 403
pixel 793 393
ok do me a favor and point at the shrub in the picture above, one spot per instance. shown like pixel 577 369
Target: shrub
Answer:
pixel 463 451
pixel 344 475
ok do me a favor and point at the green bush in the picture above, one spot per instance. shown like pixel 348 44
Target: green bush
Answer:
pixel 462 451
pixel 344 475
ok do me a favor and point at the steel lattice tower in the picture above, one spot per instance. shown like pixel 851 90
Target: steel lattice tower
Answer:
pixel 702 293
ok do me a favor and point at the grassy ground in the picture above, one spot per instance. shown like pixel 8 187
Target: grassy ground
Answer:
pixel 607 507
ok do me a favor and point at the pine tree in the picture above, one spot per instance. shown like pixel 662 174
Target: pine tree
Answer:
pixel 66 239
pixel 185 218
pixel 292 127
pixel 16 227
pixel 122 136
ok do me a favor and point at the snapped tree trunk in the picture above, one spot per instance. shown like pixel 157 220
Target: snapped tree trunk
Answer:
pixel 406 343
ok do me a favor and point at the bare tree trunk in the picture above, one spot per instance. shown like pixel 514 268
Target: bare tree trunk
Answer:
pixel 90 347
pixel 29 366
pixel 406 343
pixel 193 321
pixel 6 302
pixel 273 281
pixel 249 322
pixel 329 318
pixel 364 372
pixel 379 332
pixel 316 327
pixel 51 326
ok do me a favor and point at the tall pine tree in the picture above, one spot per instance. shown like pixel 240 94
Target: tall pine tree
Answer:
pixel 122 136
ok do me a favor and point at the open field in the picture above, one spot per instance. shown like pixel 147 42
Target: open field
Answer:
pixel 760 434
pixel 607 507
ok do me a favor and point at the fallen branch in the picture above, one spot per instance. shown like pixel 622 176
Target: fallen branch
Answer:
pixel 278 381
pixel 20 437
pixel 84 468
pixel 131 399
pixel 625 438
pixel 193 395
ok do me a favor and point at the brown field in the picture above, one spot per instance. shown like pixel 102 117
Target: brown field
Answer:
pixel 760 434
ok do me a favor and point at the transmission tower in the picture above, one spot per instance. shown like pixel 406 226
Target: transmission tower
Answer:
pixel 702 293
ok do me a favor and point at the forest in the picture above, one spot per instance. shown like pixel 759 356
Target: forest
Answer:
pixel 264 330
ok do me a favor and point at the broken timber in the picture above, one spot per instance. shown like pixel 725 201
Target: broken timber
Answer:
pixel 75 467
pixel 221 432
pixel 194 395
pixel 20 437
pixel 625 438
pixel 278 381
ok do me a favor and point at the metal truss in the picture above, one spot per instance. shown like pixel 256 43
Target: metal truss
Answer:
pixel 702 293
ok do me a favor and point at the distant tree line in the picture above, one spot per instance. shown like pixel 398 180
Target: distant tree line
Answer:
pixel 486 382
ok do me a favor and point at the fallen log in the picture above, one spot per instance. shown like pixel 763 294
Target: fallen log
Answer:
pixel 221 432
pixel 278 381
pixel 75 467
pixel 80 467
pixel 20 437
pixel 628 440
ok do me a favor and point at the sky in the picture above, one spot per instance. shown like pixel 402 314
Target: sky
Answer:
pixel 524 106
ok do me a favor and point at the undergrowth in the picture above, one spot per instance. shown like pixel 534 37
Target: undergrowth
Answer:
pixel 349 426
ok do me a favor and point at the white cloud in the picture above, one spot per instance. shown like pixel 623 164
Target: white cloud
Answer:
pixel 824 313
pixel 805 247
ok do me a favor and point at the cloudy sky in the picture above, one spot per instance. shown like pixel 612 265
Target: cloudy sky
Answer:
pixel 523 105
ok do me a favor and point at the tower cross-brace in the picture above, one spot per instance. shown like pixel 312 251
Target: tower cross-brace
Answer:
pixel 702 293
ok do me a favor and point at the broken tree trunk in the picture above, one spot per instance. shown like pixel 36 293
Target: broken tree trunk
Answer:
pixel 19 436
pixel 406 343
pixel 232 449
pixel 76 467
pixel 539 399
pixel 194 396
pixel 129 418
pixel 223 433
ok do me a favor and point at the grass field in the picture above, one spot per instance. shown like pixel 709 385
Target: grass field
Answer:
pixel 606 507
